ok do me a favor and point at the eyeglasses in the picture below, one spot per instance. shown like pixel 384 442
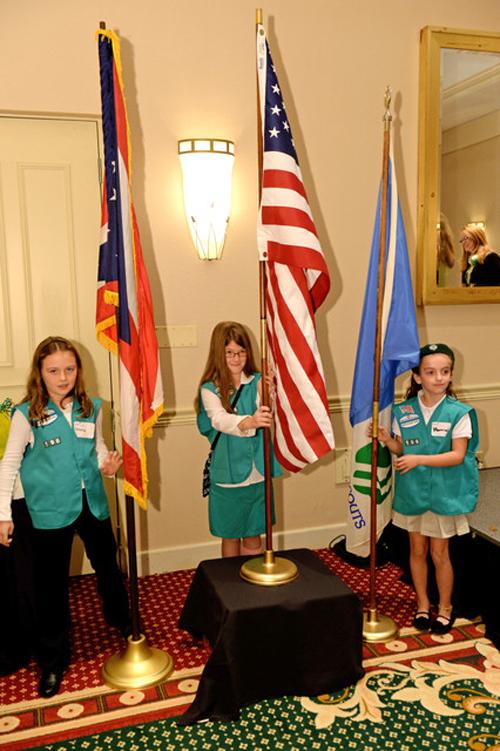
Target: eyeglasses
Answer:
pixel 463 239
pixel 241 354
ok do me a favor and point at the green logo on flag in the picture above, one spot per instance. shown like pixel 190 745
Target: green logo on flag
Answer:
pixel 362 477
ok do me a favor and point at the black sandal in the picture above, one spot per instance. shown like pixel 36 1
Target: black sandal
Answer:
pixel 422 620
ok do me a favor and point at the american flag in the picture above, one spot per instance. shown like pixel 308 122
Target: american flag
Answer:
pixel 297 283
pixel 124 315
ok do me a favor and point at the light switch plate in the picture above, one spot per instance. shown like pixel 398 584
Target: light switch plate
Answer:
pixel 177 336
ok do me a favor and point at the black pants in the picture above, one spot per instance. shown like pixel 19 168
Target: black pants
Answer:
pixel 18 621
pixel 51 554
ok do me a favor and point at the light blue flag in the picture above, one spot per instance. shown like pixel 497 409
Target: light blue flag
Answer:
pixel 400 352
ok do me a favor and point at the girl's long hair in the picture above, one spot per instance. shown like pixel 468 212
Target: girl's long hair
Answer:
pixel 478 238
pixel 415 387
pixel 36 393
pixel 216 369
pixel 446 251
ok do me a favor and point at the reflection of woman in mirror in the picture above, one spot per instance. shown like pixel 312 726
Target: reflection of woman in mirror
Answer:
pixel 445 251
pixel 480 264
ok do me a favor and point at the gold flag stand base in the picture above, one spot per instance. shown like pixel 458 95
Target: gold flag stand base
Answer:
pixel 268 571
pixel 378 627
pixel 137 666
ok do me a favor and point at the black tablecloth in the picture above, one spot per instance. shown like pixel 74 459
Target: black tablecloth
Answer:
pixel 475 558
pixel 476 564
pixel 301 638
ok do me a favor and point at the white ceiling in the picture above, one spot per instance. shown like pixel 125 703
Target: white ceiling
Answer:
pixel 470 86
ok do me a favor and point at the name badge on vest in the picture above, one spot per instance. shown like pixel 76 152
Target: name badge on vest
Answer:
pixel 440 429
pixel 84 429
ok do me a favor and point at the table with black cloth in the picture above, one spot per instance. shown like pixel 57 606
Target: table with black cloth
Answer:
pixel 302 638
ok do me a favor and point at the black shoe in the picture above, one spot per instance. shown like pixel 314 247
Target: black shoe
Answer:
pixel 50 682
pixel 443 625
pixel 422 620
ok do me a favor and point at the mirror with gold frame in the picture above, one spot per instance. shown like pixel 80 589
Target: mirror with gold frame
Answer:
pixel 458 160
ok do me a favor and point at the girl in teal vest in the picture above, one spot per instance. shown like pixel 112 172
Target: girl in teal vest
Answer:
pixel 435 441
pixel 236 505
pixel 56 444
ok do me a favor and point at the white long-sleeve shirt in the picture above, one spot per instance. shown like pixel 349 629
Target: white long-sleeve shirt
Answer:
pixel 227 422
pixel 221 419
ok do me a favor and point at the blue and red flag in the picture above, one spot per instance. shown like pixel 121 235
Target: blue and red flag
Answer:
pixel 124 315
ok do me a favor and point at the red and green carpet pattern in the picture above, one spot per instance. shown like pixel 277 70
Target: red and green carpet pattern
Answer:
pixel 420 691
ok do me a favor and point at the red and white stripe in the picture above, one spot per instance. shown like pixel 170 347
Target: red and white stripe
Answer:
pixel 297 283
pixel 141 391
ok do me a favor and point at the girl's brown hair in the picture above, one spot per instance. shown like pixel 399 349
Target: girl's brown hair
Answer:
pixel 446 251
pixel 216 369
pixel 36 393
pixel 415 387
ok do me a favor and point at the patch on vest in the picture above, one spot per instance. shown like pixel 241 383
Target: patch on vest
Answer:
pixel 51 417
pixel 52 442
pixel 406 408
pixel 409 421
pixel 412 442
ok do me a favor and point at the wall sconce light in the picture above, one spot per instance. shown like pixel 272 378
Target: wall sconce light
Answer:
pixel 207 165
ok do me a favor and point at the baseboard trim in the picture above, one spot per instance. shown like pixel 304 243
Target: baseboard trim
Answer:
pixel 189 556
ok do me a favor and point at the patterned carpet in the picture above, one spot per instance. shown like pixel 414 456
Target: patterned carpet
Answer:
pixel 420 691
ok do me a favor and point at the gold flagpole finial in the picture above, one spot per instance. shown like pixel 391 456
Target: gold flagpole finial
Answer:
pixel 258 15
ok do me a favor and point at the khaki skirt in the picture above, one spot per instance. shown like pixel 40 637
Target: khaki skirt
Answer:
pixel 432 525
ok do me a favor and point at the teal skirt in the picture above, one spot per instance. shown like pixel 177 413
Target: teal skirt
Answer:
pixel 238 512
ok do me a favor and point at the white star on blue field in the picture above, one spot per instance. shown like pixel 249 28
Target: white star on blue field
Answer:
pixel 277 131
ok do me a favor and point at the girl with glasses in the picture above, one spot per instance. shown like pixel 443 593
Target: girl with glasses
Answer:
pixel 236 504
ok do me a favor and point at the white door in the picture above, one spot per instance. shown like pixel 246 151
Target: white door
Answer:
pixel 49 245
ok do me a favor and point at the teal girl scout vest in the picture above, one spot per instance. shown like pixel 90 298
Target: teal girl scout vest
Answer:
pixel 444 490
pixel 53 469
pixel 232 459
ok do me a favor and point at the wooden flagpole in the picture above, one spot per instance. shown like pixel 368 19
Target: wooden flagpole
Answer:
pixel 119 542
pixel 263 328
pixel 266 570
pixel 375 626
pixel 138 665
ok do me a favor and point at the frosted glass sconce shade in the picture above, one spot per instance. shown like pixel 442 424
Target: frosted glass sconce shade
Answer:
pixel 207 166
